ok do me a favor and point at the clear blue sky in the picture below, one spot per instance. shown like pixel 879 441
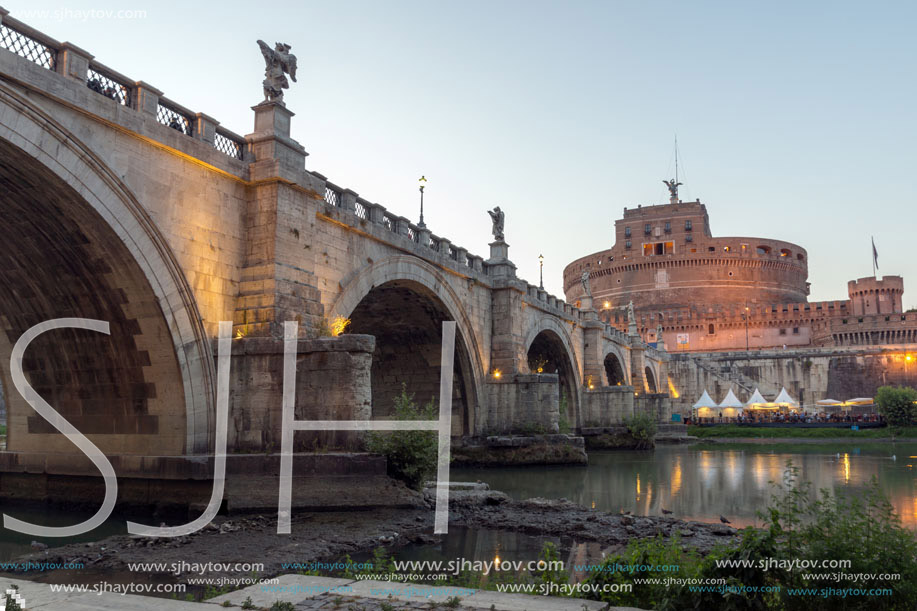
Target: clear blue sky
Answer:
pixel 795 121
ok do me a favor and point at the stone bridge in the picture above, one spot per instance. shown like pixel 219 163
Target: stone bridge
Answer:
pixel 122 205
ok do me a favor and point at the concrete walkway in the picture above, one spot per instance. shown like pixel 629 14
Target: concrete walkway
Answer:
pixel 306 593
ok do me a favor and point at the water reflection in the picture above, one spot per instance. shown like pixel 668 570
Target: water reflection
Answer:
pixel 703 482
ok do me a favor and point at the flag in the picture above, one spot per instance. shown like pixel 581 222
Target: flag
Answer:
pixel 875 254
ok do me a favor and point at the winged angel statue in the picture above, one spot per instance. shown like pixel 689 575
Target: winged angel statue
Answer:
pixel 277 62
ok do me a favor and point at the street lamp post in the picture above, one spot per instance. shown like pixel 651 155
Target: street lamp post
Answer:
pixel 541 272
pixel 423 183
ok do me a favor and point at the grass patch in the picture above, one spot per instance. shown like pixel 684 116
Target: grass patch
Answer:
pixel 819 433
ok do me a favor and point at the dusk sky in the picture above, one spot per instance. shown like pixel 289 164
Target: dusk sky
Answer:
pixel 795 121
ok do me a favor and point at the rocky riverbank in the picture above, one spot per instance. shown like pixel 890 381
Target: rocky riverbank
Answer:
pixel 215 551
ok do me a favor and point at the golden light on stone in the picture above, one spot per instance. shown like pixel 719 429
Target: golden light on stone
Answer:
pixel 607 305
pixel 674 393
pixel 497 373
pixel 846 468
pixel 339 325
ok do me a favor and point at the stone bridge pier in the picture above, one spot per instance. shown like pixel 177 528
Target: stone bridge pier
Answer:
pixel 127 207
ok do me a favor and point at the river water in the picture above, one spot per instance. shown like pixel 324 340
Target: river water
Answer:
pixel 697 482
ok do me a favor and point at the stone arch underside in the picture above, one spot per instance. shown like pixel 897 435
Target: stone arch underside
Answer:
pixel 78 244
pixel 405 315
pixel 652 385
pixel 615 371
pixel 548 352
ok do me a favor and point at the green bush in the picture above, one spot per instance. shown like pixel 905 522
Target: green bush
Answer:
pixel 799 525
pixel 897 405
pixel 411 455
pixel 642 428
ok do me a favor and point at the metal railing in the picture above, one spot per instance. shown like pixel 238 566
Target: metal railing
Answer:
pixel 332 195
pixel 228 144
pixel 105 83
pixel 26 46
pixel 171 116
pixel 40 49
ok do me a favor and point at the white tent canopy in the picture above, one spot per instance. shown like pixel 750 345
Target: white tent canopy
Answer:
pixel 828 402
pixel 756 399
pixel 731 400
pixel 784 398
pixel 705 401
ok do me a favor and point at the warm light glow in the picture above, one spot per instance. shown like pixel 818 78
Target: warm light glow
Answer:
pixel 672 392
pixel 846 468
pixel 239 333
pixel 497 374
pixel 607 304
pixel 638 486
pixel 339 325
pixel 589 383
pixel 909 358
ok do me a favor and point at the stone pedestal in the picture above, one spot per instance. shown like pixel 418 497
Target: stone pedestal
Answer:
pixel 276 154
pixel 499 263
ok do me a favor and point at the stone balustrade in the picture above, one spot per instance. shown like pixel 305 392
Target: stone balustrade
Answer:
pixel 72 62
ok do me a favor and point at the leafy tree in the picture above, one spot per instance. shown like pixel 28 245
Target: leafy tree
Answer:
pixel 411 455
pixel 897 405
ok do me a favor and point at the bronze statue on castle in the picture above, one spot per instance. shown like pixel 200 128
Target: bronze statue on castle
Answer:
pixel 277 62
pixel 673 189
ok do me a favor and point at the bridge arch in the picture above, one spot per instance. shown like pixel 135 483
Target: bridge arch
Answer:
pixel 80 244
pixel 402 301
pixel 615 368
pixel 652 379
pixel 550 340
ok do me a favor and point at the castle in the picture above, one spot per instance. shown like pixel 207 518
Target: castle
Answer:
pixel 693 292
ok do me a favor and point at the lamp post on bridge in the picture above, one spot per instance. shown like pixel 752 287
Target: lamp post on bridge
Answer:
pixel 541 272
pixel 423 183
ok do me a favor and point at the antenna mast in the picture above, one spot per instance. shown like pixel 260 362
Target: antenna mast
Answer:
pixel 676 158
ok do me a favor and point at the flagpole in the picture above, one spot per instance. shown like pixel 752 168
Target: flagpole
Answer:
pixel 873 253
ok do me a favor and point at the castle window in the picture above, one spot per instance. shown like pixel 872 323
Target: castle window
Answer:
pixel 727 248
pixel 795 330
pixel 710 329
pixel 688 226
pixel 744 247
pixel 668 227
pixel 782 331
pixel 711 249
pixel 763 250
pixel 627 244
pixel 627 232
pixel 647 229
pixel 689 238
pixel 800 257
pixel 784 252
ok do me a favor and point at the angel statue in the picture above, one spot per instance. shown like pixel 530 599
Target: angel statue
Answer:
pixel 497 216
pixel 585 280
pixel 277 61
pixel 671 184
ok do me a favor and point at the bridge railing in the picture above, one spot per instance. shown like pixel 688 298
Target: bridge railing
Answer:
pixel 377 214
pixel 71 62
pixel 28 42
